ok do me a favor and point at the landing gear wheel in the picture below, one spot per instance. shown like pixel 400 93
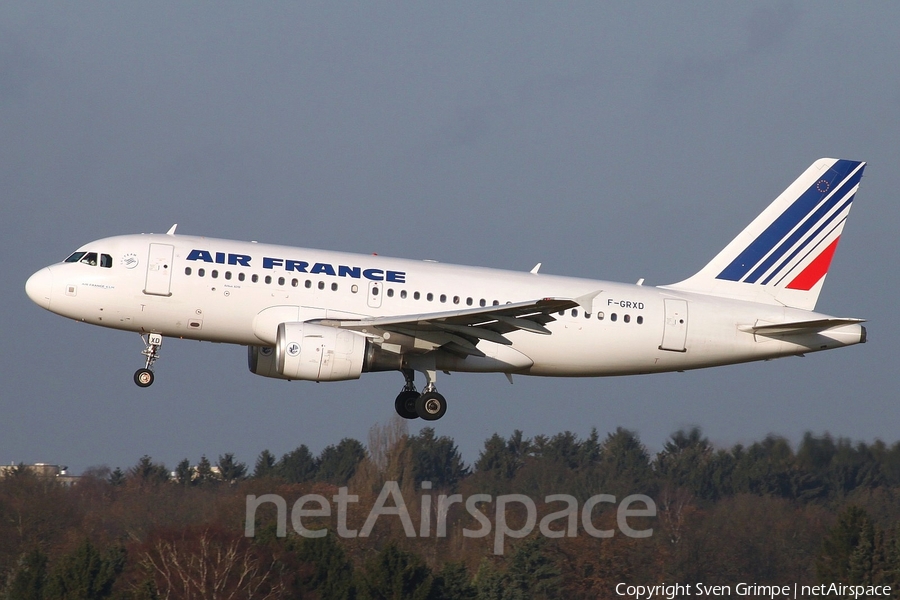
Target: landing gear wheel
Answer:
pixel 431 406
pixel 143 377
pixel 405 404
pixel 152 342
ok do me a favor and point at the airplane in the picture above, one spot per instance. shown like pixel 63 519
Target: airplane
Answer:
pixel 320 315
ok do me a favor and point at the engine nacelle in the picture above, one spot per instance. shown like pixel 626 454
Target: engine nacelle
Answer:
pixel 262 361
pixel 317 353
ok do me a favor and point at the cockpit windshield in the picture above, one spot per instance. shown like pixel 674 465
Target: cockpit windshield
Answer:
pixel 90 258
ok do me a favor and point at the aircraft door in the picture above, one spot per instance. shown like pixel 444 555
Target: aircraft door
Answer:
pixel 675 327
pixel 375 290
pixel 159 270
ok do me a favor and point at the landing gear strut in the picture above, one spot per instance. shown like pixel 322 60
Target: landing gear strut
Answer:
pixel 144 377
pixel 430 405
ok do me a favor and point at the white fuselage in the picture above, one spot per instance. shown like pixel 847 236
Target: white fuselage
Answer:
pixel 238 292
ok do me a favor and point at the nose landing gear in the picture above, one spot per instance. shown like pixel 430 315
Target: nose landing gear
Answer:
pixel 144 377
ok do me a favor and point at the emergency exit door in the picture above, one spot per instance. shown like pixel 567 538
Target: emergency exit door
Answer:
pixel 159 270
pixel 675 328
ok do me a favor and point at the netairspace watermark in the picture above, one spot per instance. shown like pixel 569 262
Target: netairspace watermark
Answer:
pixel 565 520
pixel 775 592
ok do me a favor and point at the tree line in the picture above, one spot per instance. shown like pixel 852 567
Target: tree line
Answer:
pixel 824 511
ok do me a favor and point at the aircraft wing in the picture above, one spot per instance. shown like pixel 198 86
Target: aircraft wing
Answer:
pixel 459 331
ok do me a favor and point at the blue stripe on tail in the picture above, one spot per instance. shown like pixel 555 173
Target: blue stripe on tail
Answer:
pixel 788 220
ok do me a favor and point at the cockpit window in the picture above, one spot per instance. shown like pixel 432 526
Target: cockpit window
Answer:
pixel 90 258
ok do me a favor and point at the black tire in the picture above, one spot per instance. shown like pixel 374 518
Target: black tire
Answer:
pixel 405 404
pixel 143 377
pixel 431 406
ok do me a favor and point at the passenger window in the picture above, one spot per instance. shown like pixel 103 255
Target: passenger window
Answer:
pixel 390 292
pixel 455 299
pixel 201 272
pixel 308 284
pixel 321 285
pixel 403 294
pixel 187 270
pixel 281 281
pixel 254 278
pixel 443 297
pixel 416 296
pixel 482 302
pixel 334 287
pixel 627 318
pixel 227 274
pixel 105 261
pixel 574 312
pixel 469 301
pixel 613 317
pixel 429 297
pixel 214 274
pixel 354 288
pixel 640 320
pixel 497 303
pixel 600 316
pixel 295 282
pixel 268 279
pixel 587 315
pixel 241 277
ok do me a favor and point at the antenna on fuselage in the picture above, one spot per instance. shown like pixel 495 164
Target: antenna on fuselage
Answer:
pixel 171 230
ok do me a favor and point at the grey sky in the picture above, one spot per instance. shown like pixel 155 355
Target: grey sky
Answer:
pixel 606 140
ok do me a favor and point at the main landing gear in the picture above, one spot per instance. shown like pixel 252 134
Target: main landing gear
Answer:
pixel 144 377
pixel 429 405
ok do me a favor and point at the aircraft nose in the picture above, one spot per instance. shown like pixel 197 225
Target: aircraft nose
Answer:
pixel 39 286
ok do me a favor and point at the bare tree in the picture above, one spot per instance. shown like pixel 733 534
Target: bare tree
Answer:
pixel 208 563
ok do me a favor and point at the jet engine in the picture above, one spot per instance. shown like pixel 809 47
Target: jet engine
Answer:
pixel 318 353
pixel 311 352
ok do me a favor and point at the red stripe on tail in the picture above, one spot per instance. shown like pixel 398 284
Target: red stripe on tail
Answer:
pixel 815 270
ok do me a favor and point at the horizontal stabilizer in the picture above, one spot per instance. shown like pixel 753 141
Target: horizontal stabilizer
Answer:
pixel 800 326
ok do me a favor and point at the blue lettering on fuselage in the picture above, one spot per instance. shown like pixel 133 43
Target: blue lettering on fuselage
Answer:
pixel 299 266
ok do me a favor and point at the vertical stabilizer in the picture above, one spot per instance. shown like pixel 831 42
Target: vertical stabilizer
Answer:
pixel 782 257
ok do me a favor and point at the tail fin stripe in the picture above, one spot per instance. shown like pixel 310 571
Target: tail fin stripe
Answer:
pixel 816 270
pixel 839 194
pixel 842 212
pixel 788 273
pixel 787 221
pixel 822 212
